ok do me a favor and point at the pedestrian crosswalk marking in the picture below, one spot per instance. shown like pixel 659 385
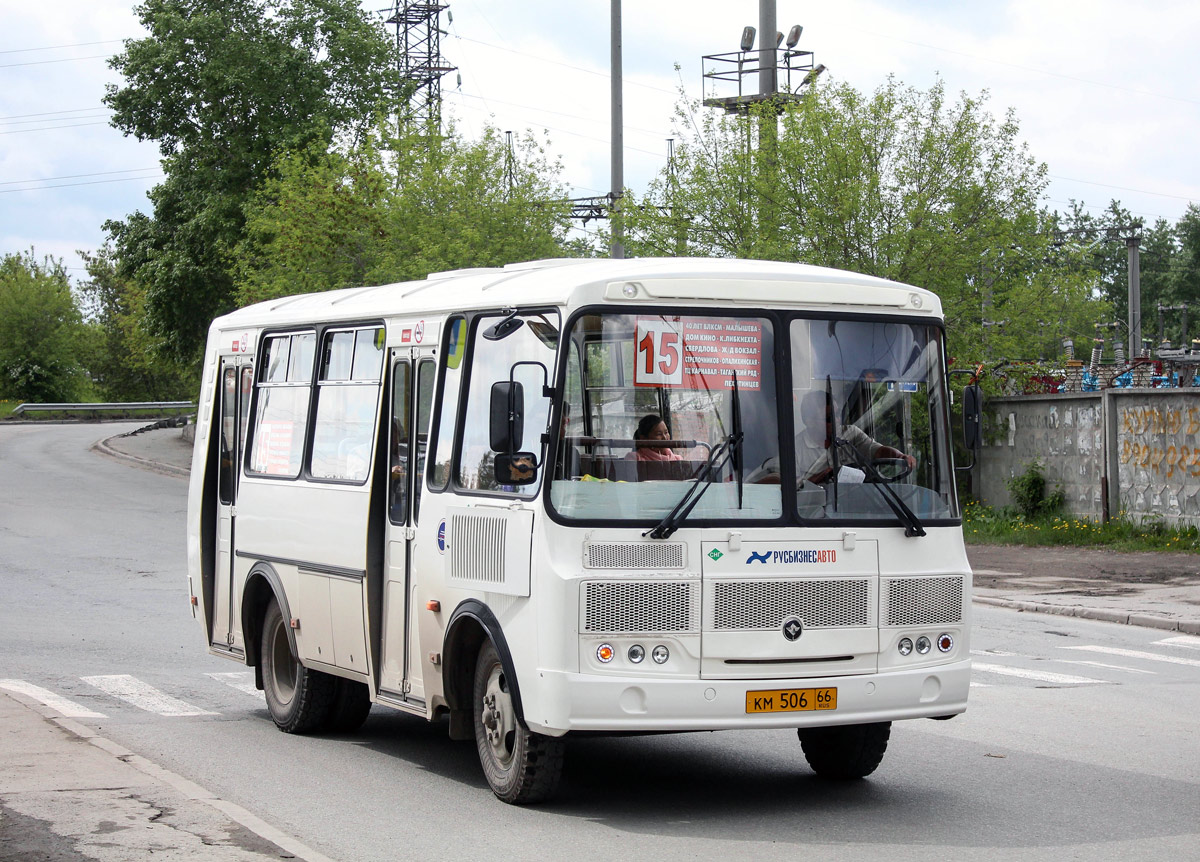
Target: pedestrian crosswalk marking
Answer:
pixel 1133 653
pixel 67 708
pixel 1125 668
pixel 1037 675
pixel 143 696
pixel 242 680
pixel 1189 641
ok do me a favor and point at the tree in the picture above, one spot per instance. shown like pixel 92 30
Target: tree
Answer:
pixel 398 206
pixel 40 331
pixel 901 184
pixel 223 85
pixel 122 361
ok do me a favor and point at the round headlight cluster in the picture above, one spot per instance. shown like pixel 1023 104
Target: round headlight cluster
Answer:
pixel 636 653
pixel 922 645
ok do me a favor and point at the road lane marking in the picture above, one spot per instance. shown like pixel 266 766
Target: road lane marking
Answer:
pixel 1133 653
pixel 1037 675
pixel 68 708
pixel 242 680
pixel 1189 641
pixel 995 652
pixel 1110 666
pixel 143 696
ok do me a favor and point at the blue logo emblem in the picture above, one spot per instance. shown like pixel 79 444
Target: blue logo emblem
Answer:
pixel 442 537
pixel 764 557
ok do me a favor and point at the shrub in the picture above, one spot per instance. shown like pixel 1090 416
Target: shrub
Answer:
pixel 1029 495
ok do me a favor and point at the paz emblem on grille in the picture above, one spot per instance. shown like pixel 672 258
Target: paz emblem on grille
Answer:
pixel 793 628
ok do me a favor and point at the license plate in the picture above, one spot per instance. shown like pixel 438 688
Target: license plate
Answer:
pixel 791 700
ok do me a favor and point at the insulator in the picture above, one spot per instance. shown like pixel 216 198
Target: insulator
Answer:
pixel 1069 348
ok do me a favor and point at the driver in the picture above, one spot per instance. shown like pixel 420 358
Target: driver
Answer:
pixel 814 439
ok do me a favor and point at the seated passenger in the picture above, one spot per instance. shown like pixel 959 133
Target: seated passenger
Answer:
pixel 647 441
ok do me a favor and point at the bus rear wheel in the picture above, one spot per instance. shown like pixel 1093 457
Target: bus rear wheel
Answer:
pixel 299 699
pixel 847 752
pixel 521 767
pixel 351 705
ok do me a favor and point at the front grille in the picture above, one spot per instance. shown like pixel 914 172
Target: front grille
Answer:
pixel 631 555
pixel 765 604
pixel 923 601
pixel 638 606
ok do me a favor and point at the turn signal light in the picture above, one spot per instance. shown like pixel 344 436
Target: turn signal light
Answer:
pixel 945 642
pixel 605 653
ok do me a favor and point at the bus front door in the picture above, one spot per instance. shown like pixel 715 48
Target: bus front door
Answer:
pixel 411 400
pixel 237 383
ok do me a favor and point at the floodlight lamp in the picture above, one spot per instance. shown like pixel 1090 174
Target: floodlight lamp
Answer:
pixel 748 38
pixel 778 38
pixel 794 35
pixel 812 76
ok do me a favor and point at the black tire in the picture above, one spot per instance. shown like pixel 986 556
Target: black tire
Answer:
pixel 845 753
pixel 521 767
pixel 351 705
pixel 298 699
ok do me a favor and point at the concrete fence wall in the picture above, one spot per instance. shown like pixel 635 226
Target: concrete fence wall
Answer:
pixel 1131 451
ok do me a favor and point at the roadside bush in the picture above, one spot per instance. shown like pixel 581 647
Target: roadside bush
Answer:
pixel 1029 495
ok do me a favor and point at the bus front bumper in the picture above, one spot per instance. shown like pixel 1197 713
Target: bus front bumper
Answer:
pixel 560 702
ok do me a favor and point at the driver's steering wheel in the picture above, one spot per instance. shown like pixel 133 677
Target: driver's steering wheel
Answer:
pixel 886 475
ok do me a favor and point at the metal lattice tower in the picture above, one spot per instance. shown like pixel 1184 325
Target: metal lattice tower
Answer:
pixel 421 65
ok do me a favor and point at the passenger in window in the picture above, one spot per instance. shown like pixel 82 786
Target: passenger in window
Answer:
pixel 815 440
pixel 648 440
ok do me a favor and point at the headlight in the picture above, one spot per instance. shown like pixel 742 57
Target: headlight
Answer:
pixel 636 653
pixel 660 654
pixel 905 646
pixel 923 645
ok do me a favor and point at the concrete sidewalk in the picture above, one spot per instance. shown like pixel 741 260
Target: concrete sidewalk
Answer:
pixel 69 795
pixel 1159 590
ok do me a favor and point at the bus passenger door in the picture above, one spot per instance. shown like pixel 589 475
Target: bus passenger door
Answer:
pixel 237 382
pixel 411 400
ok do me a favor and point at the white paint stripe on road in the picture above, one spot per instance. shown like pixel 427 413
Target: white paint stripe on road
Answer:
pixel 994 652
pixel 1111 666
pixel 1037 675
pixel 67 708
pixel 242 680
pixel 1133 653
pixel 143 696
pixel 1189 641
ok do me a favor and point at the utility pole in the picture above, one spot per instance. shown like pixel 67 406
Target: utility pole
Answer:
pixel 618 135
pixel 1132 243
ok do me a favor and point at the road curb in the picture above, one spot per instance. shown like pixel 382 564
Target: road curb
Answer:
pixel 104 448
pixel 1102 614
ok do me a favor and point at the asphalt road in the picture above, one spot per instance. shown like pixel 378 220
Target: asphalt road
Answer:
pixel 1080 743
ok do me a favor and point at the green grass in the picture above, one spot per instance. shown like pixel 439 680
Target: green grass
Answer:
pixel 7 407
pixel 985 525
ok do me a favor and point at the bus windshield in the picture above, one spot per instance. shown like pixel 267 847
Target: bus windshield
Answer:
pixel 648 398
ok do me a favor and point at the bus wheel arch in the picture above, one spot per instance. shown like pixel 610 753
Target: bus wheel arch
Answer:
pixel 262 585
pixel 472 624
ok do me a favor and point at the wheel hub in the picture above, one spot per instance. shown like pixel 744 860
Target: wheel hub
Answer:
pixel 498 717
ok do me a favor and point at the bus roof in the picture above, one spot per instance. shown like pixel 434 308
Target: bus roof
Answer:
pixel 725 282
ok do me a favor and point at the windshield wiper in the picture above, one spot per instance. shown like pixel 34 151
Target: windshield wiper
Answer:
pixel 912 524
pixel 723 452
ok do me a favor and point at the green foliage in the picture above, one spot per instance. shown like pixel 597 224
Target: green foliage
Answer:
pixel 222 85
pixel 122 359
pixel 396 206
pixel 40 331
pixel 1029 495
pixel 985 525
pixel 902 184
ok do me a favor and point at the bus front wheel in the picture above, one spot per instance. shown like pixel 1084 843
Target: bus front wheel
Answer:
pixel 847 752
pixel 299 699
pixel 520 766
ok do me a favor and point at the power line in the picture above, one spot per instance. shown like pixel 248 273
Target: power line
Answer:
pixel 48 114
pixel 62 60
pixel 70 185
pixel 58 47
pixel 1123 188
pixel 50 128
pixel 75 176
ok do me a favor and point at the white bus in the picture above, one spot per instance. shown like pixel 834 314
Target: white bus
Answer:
pixel 577 496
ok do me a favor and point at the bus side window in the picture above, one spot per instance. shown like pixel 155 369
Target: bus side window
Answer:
pixel 426 375
pixel 347 395
pixel 281 415
pixel 452 359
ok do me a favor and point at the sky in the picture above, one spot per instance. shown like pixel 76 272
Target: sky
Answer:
pixel 1105 93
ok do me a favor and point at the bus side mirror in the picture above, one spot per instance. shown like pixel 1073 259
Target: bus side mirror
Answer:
pixel 516 468
pixel 973 417
pixel 507 416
